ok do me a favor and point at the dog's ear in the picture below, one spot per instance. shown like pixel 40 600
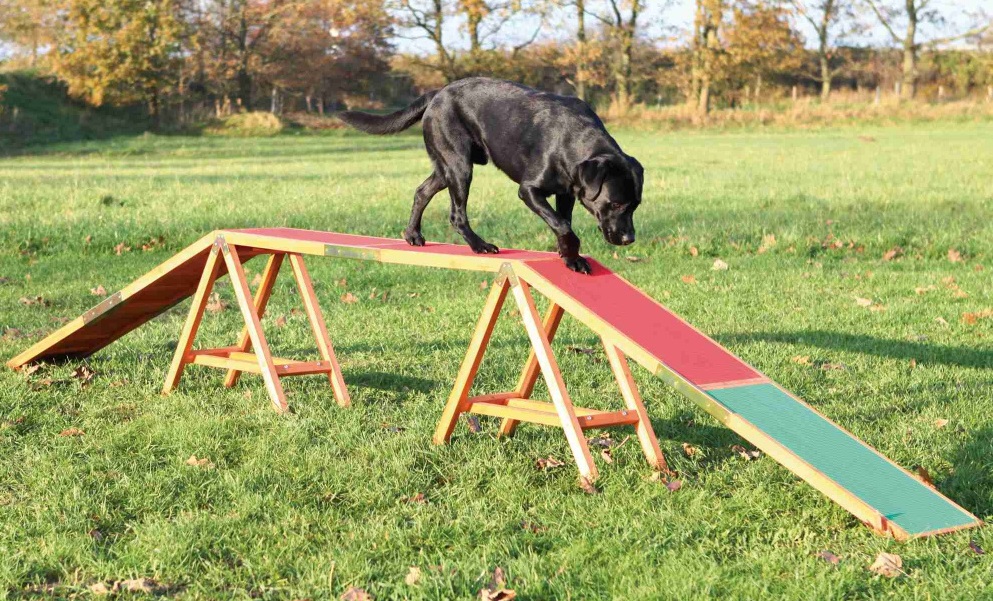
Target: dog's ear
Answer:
pixel 590 176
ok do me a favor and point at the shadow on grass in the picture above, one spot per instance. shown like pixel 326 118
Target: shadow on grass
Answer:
pixel 971 482
pixel 882 347
pixel 391 382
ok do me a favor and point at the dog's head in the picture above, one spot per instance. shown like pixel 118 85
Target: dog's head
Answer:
pixel 609 186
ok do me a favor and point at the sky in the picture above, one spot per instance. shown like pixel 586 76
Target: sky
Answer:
pixel 667 19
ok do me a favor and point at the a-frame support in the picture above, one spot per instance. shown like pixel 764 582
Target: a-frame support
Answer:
pixel 238 358
pixel 517 406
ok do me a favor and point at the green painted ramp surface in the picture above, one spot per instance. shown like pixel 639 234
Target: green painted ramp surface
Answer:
pixel 901 498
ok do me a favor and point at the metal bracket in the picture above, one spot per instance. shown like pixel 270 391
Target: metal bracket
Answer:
pixel 101 309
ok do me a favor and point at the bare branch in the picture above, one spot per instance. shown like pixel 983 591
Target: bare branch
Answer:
pixel 882 19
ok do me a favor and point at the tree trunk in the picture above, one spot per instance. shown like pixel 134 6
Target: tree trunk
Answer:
pixel 909 88
pixel 825 68
pixel 711 44
pixel 622 73
pixel 581 43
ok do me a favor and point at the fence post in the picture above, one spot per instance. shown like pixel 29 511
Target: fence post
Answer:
pixel 879 94
pixel 794 94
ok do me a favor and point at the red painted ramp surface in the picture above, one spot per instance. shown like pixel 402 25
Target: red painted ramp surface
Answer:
pixel 646 323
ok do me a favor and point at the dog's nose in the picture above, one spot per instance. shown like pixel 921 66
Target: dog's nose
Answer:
pixel 627 238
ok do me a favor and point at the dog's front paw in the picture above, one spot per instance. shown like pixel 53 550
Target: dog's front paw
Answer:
pixel 484 248
pixel 578 264
pixel 413 238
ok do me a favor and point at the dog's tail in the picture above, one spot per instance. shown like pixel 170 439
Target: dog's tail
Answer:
pixel 388 124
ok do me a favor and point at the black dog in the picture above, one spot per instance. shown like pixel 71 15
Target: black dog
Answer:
pixel 549 144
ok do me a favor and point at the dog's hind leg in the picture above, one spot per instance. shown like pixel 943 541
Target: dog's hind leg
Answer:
pixel 425 192
pixel 458 190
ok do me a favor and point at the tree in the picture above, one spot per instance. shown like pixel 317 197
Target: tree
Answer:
pixel 760 44
pixel 832 21
pixel 706 50
pixel 622 28
pixel 120 51
pixel 30 25
pixel 917 14
pixel 426 19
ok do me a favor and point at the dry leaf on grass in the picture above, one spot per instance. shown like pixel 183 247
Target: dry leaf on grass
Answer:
pixel 201 462
pixel 355 594
pixel 802 360
pixel 633 258
pixel 121 248
pixel 976 548
pixel 768 241
pixel 533 527
pixel 924 475
pixel 98 291
pixel 972 318
pixel 413 576
pixel 674 485
pixel 34 300
pixel 417 499
pixel 84 374
pixel 71 432
pixel 216 304
pixel 547 463
pixel 690 450
pixel 99 588
pixel 494 590
pixel 863 302
pixel 940 422
pixel 607 456
pixel 887 564
pixel 693 251
pixel 719 265
pixel 892 253
pixel 829 557
pixel 954 256
pixel 746 454
pixel 349 298
pixel 473 422
pixel 280 321
pixel 688 279
pixel 941 321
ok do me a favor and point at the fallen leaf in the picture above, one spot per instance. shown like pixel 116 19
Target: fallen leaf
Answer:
pixel 833 366
pixel 30 369
pixel 719 265
pixel 484 285
pixel 342 283
pixel 473 422
pixel 976 548
pixel 605 453
pixel 925 476
pixel 954 256
pixel 349 298
pixel 84 374
pixel 202 462
pixel 829 557
pixel 746 454
pixel 533 527
pixel 868 139
pixel 281 321
pixel 633 258
pixel 417 499
pixel 71 432
pixel 688 279
pixel 887 564
pixel 494 590
pixel 768 241
pixel 689 449
pixel 863 302
pixel 674 485
pixel 972 318
pixel 913 363
pixel 96 535
pixel 802 360
pixel 99 588
pixel 548 463
pixel 497 579
pixel 355 594
pixel 587 486
pixel 88 239
pixel 33 300
pixel 693 251
pixel 892 253
pixel 924 289
pixel 216 304
pixel 413 576
pixel 98 291
pixel 121 248
pixel 940 423
pixel 941 321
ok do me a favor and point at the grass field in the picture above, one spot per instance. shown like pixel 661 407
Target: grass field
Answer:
pixel 311 504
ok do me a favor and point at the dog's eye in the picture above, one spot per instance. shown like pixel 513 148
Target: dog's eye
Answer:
pixel 616 206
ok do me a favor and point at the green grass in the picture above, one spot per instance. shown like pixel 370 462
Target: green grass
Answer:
pixel 310 504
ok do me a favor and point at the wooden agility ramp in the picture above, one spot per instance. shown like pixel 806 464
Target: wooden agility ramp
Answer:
pixel 631 325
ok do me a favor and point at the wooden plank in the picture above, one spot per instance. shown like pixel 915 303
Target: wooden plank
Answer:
pixel 553 378
pixel 458 398
pixel 192 324
pixel 545 413
pixel 262 295
pixel 259 343
pixel 531 371
pixel 629 391
pixel 320 329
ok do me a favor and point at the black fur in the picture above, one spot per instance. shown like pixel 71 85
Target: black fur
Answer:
pixel 550 145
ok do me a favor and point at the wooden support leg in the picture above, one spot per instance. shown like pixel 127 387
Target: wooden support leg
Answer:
pixel 531 371
pixel 629 390
pixel 470 365
pixel 200 299
pixel 262 296
pixel 553 378
pixel 261 346
pixel 317 324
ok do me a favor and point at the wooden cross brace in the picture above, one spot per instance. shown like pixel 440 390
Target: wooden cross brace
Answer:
pixel 517 406
pixel 239 358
